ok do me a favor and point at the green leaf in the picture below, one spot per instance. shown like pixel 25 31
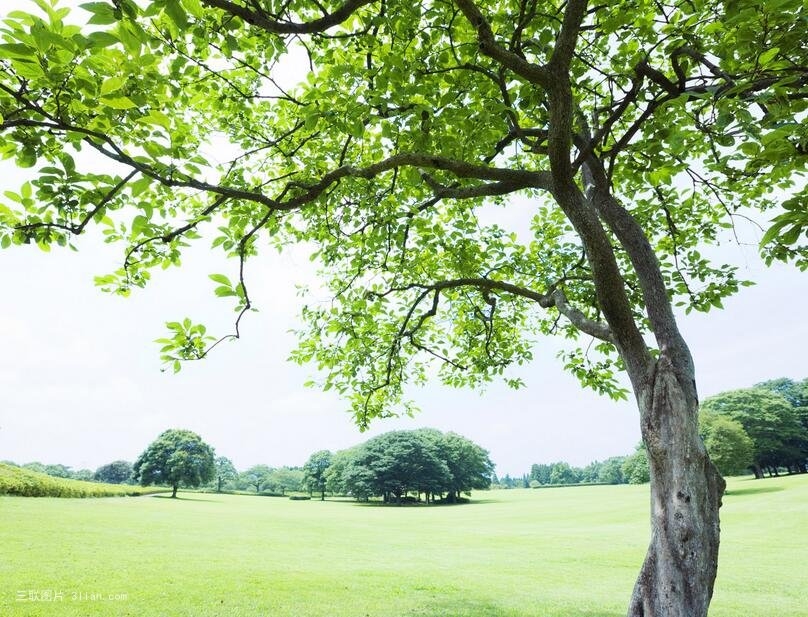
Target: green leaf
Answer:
pixel 112 84
pixel 767 56
pixel 220 278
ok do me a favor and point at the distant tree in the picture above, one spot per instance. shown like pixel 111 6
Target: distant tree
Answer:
pixel 772 423
pixel 116 472
pixel 314 471
pixel 795 392
pixel 35 466
pixel 541 473
pixel 58 471
pixel 225 472
pixel 175 457
pixel 399 462
pixel 635 467
pixel 469 465
pixel 256 477
pixel 611 471
pixel 730 448
pixel 563 473
pixel 335 474
pixel 285 479
pixel 506 481
pixel 85 475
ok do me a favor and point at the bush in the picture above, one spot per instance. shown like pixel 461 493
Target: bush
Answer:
pixel 27 483
pixel 299 497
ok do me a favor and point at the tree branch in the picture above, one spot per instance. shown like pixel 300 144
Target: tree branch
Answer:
pixel 260 19
pixel 553 299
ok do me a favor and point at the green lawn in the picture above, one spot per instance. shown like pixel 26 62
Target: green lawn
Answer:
pixel 555 552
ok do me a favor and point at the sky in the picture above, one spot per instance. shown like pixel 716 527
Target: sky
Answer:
pixel 81 381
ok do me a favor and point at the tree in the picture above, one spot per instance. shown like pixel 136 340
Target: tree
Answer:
pixel 86 475
pixel 770 421
pixel 795 392
pixel 116 472
pixel 562 473
pixel 225 472
pixel 315 471
pixel 470 467
pixel 396 463
pixel 285 479
pixel 176 457
pixel 611 471
pixel 729 446
pixel 541 473
pixel 256 476
pixel 633 132
pixel 635 468
pixel 58 471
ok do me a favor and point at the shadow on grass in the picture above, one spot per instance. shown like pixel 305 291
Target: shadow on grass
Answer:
pixel 753 490
pixel 178 498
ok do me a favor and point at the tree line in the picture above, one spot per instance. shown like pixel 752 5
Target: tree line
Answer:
pixel 763 429
pixel 397 466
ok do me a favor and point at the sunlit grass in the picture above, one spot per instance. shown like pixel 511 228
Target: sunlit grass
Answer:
pixel 559 553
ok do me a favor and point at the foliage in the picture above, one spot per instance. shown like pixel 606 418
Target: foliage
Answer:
pixel 256 477
pixel 116 472
pixel 177 457
pixel 225 472
pixel 314 471
pixel 770 421
pixel 148 85
pixel 635 467
pixel 285 479
pixel 421 461
pixel 730 448
pixel 27 483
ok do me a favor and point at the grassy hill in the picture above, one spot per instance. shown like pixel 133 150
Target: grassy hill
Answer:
pixel 27 483
pixel 521 553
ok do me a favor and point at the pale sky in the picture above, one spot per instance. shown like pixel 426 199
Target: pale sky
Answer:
pixel 80 379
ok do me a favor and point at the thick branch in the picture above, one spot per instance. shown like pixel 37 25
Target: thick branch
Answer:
pixel 261 20
pixel 485 36
pixel 553 299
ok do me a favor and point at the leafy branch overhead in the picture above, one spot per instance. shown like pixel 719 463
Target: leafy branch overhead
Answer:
pixel 409 126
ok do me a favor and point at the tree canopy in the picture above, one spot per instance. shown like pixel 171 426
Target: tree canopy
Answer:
pixel 314 471
pixel 621 137
pixel 177 457
pixel 116 472
pixel 773 424
pixel 423 461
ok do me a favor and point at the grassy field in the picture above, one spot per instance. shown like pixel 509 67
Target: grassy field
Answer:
pixel 525 553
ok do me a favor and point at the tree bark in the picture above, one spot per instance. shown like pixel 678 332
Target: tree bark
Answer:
pixel 677 576
pixel 174 491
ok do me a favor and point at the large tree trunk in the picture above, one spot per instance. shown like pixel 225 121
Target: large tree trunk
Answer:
pixel 676 579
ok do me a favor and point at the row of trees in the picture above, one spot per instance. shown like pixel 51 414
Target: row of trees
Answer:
pixel 439 466
pixel 759 429
pixel 117 472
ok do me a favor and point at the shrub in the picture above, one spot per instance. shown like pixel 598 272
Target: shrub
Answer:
pixel 299 497
pixel 27 483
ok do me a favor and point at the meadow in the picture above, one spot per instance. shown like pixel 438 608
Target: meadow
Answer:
pixel 523 553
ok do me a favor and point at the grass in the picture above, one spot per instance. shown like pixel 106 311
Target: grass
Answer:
pixel 506 554
pixel 26 483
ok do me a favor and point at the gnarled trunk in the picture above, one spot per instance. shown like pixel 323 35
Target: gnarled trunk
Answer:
pixel 676 579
